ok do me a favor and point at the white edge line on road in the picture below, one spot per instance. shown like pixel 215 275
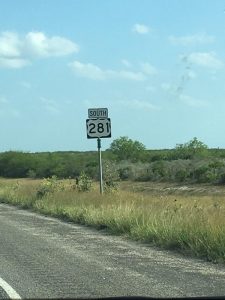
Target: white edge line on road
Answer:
pixel 9 290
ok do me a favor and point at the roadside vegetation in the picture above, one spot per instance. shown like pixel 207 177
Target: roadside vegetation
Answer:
pixel 191 223
pixel 63 184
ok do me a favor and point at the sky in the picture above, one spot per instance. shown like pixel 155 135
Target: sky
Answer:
pixel 157 65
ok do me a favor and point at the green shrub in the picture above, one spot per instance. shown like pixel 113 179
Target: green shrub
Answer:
pixel 181 175
pixel 125 173
pixel 127 149
pixel 91 168
pixel 49 185
pixel 221 179
pixel 31 174
pixel 110 176
pixel 159 170
pixel 191 149
pixel 200 174
pixel 84 183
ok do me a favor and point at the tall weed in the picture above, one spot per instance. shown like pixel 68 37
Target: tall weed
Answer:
pixel 187 223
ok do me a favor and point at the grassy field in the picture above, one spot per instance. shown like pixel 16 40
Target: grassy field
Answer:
pixel 186 219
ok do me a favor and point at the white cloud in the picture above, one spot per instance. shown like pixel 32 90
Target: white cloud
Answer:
pixel 136 76
pixel 13 63
pixel 140 28
pixel 195 39
pixel 204 59
pixel 39 45
pixel 191 74
pixel 18 51
pixel 138 104
pixel 50 105
pixel 88 70
pixel 94 72
pixel 166 86
pixel 148 69
pixel 190 101
pixel 10 44
pixel 126 63
pixel 3 100
pixel 176 90
pixel 25 84
pixel 186 99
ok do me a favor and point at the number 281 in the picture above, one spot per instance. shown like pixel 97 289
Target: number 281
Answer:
pixel 99 128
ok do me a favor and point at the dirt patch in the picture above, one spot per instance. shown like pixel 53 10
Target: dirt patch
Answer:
pixel 170 188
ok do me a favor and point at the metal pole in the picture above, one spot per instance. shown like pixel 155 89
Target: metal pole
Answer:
pixel 100 165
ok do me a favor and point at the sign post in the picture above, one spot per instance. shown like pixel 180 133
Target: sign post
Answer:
pixel 100 165
pixel 98 126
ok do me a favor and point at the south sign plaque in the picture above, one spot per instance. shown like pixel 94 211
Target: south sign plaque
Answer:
pixel 94 113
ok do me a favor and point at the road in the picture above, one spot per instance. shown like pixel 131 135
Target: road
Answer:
pixel 42 257
pixel 3 294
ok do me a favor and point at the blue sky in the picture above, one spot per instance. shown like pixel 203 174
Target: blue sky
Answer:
pixel 158 66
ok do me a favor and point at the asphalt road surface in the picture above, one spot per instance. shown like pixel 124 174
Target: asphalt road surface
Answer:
pixel 42 257
pixel 3 294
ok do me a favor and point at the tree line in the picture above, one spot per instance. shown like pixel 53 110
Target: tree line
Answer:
pixel 192 161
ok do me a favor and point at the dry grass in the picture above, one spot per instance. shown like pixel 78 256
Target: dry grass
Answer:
pixel 193 224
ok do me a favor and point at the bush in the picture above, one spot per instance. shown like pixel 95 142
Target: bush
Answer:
pixel 48 186
pixel 204 174
pixel 110 176
pixel 181 175
pixel 91 168
pixel 126 149
pixel 31 174
pixel 84 183
pixel 125 173
pixel 191 149
pixel 159 170
pixel 221 178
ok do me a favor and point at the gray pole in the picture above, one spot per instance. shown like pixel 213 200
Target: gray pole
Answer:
pixel 100 165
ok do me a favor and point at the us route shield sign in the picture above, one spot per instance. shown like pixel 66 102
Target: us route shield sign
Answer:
pixel 98 128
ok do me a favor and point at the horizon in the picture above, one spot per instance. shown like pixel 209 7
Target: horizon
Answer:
pixel 94 150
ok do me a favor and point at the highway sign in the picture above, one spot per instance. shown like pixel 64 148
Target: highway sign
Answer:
pixel 98 128
pixel 97 113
